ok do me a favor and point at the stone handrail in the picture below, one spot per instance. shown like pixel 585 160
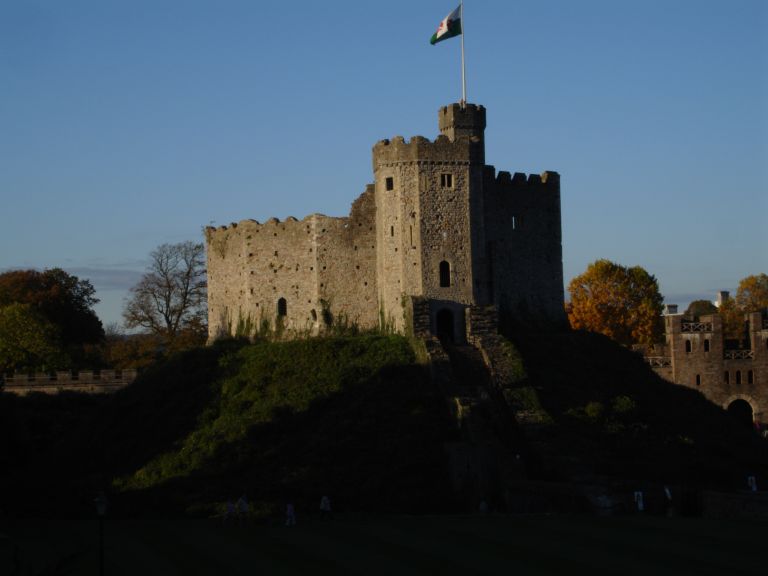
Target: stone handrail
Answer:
pixel 696 327
pixel 739 355
pixel 659 361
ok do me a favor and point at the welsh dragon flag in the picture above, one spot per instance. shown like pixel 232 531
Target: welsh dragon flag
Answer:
pixel 449 27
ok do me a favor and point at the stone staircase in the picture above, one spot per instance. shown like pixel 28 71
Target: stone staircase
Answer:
pixel 486 461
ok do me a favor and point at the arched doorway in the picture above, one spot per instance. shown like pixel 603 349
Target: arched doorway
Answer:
pixel 741 411
pixel 444 321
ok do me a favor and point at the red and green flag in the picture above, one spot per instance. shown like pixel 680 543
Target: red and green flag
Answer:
pixel 449 27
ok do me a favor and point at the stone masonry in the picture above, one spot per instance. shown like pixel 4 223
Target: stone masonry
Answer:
pixel 438 225
pixel 697 355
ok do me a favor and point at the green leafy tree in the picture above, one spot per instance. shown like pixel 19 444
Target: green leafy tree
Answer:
pixel 622 303
pixel 170 300
pixel 700 308
pixel 61 300
pixel 28 341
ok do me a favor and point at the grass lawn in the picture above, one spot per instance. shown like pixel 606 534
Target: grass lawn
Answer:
pixel 392 545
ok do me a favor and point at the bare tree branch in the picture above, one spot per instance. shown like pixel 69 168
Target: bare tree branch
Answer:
pixel 172 295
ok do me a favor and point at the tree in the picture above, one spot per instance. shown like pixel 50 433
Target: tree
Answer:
pixel 733 319
pixel 62 299
pixel 53 302
pixel 622 303
pixel 170 299
pixel 752 294
pixel 28 341
pixel 700 308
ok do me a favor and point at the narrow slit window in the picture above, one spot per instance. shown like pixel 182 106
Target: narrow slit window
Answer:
pixel 445 274
pixel 391 230
pixel 698 379
pixel 514 223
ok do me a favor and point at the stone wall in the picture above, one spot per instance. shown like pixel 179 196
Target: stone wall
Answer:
pixel 251 266
pixel 321 267
pixel 346 252
pixel 524 246
pixel 84 381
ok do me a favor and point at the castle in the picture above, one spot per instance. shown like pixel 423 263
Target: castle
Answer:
pixel 437 233
pixel 697 355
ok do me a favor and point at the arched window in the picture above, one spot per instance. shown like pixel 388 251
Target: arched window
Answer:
pixel 698 379
pixel 706 345
pixel 445 274
pixel 750 377
pixel 738 376
pixel 282 307
pixel 688 346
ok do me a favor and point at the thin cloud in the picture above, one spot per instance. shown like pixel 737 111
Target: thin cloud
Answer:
pixel 108 278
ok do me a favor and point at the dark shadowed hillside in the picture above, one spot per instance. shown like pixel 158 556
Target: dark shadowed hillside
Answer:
pixel 356 418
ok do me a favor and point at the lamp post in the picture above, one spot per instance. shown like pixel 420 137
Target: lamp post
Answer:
pixel 101 510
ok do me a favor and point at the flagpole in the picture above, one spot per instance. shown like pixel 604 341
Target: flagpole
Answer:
pixel 463 70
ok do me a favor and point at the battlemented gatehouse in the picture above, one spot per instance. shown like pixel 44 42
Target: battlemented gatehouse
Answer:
pixel 437 234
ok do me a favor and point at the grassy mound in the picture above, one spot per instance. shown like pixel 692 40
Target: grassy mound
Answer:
pixel 281 421
pixel 598 410
pixel 355 418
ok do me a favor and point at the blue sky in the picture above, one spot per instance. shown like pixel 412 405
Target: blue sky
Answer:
pixel 128 124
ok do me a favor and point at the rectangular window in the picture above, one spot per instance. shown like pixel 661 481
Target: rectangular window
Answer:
pixel 390 183
pixel 446 180
pixel 706 345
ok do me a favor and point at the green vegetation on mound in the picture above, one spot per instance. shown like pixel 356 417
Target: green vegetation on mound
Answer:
pixel 289 420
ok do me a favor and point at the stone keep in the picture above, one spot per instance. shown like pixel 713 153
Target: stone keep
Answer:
pixel 437 226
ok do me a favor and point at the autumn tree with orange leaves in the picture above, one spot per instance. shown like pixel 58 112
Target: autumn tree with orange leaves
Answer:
pixel 622 303
pixel 752 295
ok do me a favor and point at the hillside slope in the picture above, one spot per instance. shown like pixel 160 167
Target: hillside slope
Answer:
pixel 358 419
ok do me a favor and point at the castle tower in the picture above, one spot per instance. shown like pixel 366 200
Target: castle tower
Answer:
pixel 429 217
pixel 457 122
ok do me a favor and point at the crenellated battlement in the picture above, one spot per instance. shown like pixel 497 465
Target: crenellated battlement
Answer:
pixel 546 180
pixel 419 149
pixel 252 225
